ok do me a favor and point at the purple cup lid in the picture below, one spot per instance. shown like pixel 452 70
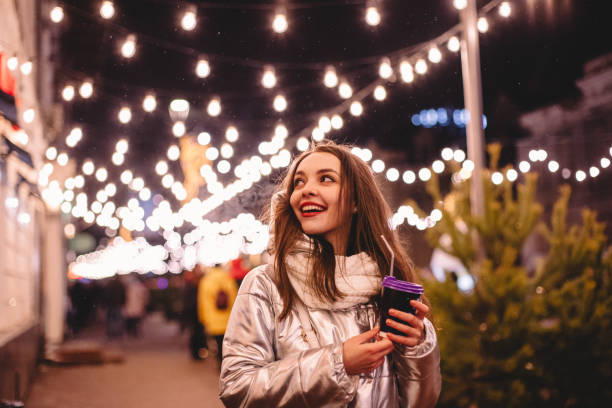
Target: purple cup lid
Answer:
pixel 394 283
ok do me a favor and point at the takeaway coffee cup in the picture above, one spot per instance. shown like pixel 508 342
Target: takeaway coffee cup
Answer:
pixel 397 294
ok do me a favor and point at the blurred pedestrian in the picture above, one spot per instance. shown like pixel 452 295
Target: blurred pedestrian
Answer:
pixel 136 301
pixel 304 329
pixel 198 347
pixel 216 295
pixel 114 299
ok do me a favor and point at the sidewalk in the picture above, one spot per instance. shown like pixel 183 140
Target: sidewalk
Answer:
pixel 156 371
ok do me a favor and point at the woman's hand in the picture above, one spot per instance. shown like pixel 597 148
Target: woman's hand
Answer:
pixel 362 356
pixel 414 329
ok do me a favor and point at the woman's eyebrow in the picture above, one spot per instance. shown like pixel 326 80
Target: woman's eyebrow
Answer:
pixel 300 172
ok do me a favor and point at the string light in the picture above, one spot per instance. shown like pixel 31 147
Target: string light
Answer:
pixel 460 4
pixel 384 70
pixel 101 174
pixel 337 122
pixel 227 151
pixel 212 153
pixel 434 55
pixel 161 167
pixel 345 91
pixel 380 93
pixel 86 89
pixel 173 153
pixel 202 68
pixel 330 79
pixel 453 44
pixel 406 71
pixel 280 24
pixel 26 68
pixel 62 159
pixel 149 103
pixel 74 137
pixel 51 153
pixel 126 176
pixel 420 67
pixel 128 48
pixel 268 79
pixel 88 167
pixel 117 159
pixel 303 144
pixel 56 14
pixel 280 103
pixel 189 20
pixel 28 115
pixel 204 138
pixel 378 166
pixel 107 10
pixel 68 93
pixel 372 16
pixel 214 107
pixel 505 9
pixel 483 25
pixel 231 135
pixel 122 146
pixel 580 175
pixel 356 108
pixel 125 115
pixel 178 128
pixel 12 63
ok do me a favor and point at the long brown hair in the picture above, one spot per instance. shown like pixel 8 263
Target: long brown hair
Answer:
pixel 370 220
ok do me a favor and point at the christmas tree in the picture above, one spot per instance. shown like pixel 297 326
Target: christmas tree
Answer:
pixel 518 338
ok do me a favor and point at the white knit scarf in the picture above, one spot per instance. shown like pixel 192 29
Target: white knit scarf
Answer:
pixel 357 277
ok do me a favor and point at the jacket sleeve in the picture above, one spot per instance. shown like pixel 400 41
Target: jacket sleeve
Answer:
pixel 253 376
pixel 418 371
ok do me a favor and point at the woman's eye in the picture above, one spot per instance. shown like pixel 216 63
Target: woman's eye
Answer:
pixel 327 178
pixel 297 182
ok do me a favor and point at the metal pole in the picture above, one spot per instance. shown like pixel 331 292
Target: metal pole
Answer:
pixel 472 94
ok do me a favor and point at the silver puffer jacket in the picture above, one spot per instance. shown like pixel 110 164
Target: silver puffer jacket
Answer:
pixel 267 363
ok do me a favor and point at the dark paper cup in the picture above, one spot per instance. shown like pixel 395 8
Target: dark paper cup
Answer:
pixel 397 294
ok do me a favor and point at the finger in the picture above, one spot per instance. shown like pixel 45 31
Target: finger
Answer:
pixel 385 351
pixel 406 341
pixel 378 363
pixel 378 347
pixel 367 336
pixel 406 317
pixel 407 330
pixel 421 308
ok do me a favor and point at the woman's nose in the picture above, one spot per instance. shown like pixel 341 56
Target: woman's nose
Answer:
pixel 309 190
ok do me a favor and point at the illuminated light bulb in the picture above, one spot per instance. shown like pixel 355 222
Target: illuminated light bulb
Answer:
pixel 88 167
pixel 68 93
pixel 223 166
pixel 468 165
pixel 86 90
pixel 366 154
pixel 66 207
pixel 281 131
pixel 406 72
pixel 392 174
pixel 280 103
pixel 189 20
pixel 384 69
pixel 110 189
pixel 231 134
pixel 420 67
pixel 447 153
pixel 128 48
pixel 173 153
pixel 51 153
pixel 317 134
pixel 511 175
pixel 26 68
pixel 483 25
pixel 28 115
pixel 438 166
pixel 118 159
pixel 122 146
pixel 144 194
pixel 126 176
pixel 460 4
pixel 594 171
pixel 454 44
pixel 524 166
pixel 167 180
pixel 380 93
pixel 434 55
pixel 202 68
pixel 553 166
pixel 227 151
pixel 101 174
pixel 268 79
pixel 497 178
pixel 12 63
pixel 212 153
pixel 137 183
pixel 125 115
pixel 161 168
pixel 214 107
pixel 424 174
pixel 330 79
pixel 79 181
pixel 372 16
pixel 378 166
pixel 541 155
pixel 337 122
pixel 302 144
pixel 107 10
pixel 280 23
pixel 325 124
pixel 62 159
pixel 149 103
pixel 345 90
pixel 459 155
pixel 204 138
pixel 605 162
pixel 56 14
pixel 179 129
pixel 505 9
pixel 580 175
pixel 533 155
pixel 356 108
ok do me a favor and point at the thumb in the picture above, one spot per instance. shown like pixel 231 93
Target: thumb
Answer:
pixel 366 336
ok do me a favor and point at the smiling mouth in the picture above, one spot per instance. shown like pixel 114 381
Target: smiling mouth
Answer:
pixel 311 210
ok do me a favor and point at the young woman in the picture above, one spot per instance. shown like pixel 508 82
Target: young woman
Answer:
pixel 303 331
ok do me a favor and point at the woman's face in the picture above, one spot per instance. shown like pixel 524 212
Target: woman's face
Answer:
pixel 316 200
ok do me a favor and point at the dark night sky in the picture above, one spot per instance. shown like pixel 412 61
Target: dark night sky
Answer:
pixel 529 60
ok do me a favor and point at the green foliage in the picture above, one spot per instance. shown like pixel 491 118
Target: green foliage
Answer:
pixel 519 340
